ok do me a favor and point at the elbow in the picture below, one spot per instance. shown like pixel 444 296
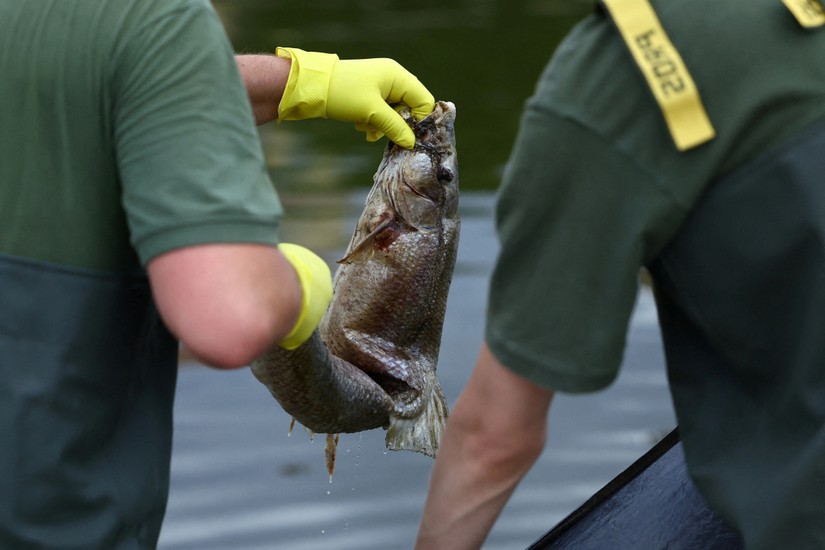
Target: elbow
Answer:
pixel 224 358
pixel 508 452
pixel 240 336
pixel 228 304
pixel 514 453
pixel 233 346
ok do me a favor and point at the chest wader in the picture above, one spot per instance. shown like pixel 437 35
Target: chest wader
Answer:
pixel 87 380
pixel 741 297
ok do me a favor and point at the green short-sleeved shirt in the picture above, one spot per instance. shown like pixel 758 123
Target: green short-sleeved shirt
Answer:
pixel 732 231
pixel 595 188
pixel 125 132
pixel 125 128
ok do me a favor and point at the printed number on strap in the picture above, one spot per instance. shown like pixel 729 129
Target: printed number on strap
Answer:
pixel 809 13
pixel 665 72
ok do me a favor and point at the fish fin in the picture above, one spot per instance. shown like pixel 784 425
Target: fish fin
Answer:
pixel 329 453
pixel 364 250
pixel 422 433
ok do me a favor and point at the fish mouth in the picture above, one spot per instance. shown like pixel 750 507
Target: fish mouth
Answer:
pixel 397 389
pixel 375 357
pixel 406 400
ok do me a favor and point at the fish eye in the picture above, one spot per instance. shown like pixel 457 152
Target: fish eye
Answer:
pixel 444 174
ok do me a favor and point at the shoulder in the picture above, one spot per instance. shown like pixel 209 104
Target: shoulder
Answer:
pixel 119 23
pixel 134 16
pixel 164 35
pixel 142 10
pixel 591 81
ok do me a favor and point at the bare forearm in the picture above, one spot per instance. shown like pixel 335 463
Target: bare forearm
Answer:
pixel 468 490
pixel 495 433
pixel 265 77
pixel 228 303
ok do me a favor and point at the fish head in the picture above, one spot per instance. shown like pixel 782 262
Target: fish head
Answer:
pixel 422 184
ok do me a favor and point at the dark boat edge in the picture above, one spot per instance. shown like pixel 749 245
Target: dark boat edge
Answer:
pixel 651 504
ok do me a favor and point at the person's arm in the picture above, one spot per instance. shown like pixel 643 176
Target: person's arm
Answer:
pixel 297 85
pixel 265 78
pixel 227 303
pixel 494 435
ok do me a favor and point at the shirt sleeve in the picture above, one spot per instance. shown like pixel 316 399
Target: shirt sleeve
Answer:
pixel 576 219
pixel 189 156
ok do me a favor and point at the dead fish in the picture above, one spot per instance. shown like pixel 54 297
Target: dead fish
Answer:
pixel 372 361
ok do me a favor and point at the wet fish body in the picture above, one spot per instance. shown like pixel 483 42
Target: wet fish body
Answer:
pixel 372 361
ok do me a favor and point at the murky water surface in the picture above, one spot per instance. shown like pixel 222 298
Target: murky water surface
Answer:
pixel 483 55
pixel 240 482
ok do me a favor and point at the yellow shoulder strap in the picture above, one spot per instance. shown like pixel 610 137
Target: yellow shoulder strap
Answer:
pixel 665 72
pixel 809 13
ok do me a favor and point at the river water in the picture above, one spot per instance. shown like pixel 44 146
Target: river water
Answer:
pixel 240 482
pixel 483 55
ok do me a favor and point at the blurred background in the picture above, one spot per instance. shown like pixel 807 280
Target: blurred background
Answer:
pixel 239 480
pixel 483 55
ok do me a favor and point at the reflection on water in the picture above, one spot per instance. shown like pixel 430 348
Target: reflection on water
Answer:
pixel 483 55
pixel 240 482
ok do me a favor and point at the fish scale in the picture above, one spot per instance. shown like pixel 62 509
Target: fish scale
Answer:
pixel 372 361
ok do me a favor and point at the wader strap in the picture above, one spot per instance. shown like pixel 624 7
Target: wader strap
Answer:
pixel 809 13
pixel 665 72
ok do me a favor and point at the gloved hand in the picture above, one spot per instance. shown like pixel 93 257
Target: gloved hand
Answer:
pixel 360 91
pixel 316 284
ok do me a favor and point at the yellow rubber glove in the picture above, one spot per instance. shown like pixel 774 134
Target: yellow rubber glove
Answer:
pixel 316 285
pixel 362 91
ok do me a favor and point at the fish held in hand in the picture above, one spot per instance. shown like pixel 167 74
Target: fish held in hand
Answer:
pixel 372 361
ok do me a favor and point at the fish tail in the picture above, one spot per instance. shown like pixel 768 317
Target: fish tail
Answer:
pixel 422 433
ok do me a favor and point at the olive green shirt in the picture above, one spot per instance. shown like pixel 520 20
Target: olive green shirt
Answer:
pixel 125 130
pixel 732 231
pixel 595 188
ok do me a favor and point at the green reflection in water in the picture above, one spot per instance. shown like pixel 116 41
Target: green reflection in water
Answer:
pixel 483 55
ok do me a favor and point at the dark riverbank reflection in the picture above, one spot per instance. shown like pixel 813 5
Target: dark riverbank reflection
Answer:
pixel 239 482
pixel 483 55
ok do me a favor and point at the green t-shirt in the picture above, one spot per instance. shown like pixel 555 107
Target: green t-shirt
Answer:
pixel 126 132
pixel 595 188
pixel 732 231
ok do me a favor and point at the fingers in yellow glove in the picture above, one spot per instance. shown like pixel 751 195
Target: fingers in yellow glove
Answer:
pixel 316 287
pixel 362 91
